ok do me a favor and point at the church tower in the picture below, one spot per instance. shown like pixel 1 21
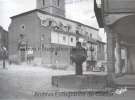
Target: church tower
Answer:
pixel 55 7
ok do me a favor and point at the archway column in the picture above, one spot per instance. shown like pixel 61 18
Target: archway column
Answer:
pixel 110 50
pixel 126 60
pixel 118 54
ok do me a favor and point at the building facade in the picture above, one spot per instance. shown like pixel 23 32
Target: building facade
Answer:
pixel 3 39
pixel 117 18
pixel 48 32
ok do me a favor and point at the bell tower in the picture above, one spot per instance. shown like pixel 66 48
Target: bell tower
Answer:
pixel 55 7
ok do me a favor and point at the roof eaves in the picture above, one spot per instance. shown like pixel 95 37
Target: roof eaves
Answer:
pixel 24 13
pixel 44 12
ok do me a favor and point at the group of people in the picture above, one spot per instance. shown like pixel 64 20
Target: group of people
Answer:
pixel 26 55
pixel 30 55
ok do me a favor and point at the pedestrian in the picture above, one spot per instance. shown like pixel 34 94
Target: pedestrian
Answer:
pixel 30 56
pixel 4 55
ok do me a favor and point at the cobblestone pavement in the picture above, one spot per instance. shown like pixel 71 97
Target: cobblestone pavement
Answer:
pixel 21 82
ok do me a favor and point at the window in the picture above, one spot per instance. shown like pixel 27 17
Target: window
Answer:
pixel 54 37
pixel 42 37
pixel 64 38
pixel 56 53
pixel 77 32
pixel 86 33
pixel 43 46
pixel 71 39
pixel 56 2
pixel 50 23
pixel 22 36
pixel 22 27
pixel 90 35
pixel 68 28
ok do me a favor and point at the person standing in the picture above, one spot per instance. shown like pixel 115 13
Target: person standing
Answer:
pixel 30 55
pixel 4 55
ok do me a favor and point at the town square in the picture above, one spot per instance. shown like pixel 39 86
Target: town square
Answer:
pixel 67 49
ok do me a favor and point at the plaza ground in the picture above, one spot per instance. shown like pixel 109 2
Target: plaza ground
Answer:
pixel 20 82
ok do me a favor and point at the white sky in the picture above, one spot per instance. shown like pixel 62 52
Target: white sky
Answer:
pixel 80 11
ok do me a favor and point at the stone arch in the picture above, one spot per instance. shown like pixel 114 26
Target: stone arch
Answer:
pixel 113 18
pixel 125 27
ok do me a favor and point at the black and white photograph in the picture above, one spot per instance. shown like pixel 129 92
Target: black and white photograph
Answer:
pixel 67 49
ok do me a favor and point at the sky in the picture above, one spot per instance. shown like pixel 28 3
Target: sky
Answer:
pixel 81 11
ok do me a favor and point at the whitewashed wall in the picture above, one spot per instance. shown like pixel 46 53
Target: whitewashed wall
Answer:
pixel 63 39
pixel 83 29
pixel 54 37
